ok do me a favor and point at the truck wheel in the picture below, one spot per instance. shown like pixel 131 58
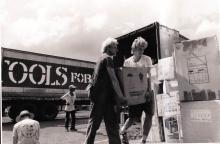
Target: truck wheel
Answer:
pixel 49 111
pixel 31 107
pixel 15 110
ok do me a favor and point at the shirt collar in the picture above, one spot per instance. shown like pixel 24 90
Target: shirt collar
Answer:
pixel 136 61
pixel 109 56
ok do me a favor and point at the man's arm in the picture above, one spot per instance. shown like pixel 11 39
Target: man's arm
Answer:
pixel 149 88
pixel 74 97
pixel 63 97
pixel 120 99
pixel 149 80
pixel 115 82
pixel 149 75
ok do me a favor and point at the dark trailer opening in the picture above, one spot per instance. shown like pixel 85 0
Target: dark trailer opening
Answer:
pixel 160 40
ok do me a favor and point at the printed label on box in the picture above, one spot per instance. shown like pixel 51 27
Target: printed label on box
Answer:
pixel 201 115
pixel 197 68
pixel 171 104
pixel 134 82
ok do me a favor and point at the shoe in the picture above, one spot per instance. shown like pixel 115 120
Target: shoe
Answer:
pixel 124 138
pixel 73 129
pixel 67 130
pixel 143 142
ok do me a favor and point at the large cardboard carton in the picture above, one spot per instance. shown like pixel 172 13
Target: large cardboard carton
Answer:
pixel 200 121
pixel 134 84
pixel 172 128
pixel 168 105
pixel 197 69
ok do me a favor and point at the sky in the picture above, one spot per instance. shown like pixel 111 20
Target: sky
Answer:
pixel 76 28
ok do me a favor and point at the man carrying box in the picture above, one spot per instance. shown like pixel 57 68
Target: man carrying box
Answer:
pixel 135 111
pixel 105 93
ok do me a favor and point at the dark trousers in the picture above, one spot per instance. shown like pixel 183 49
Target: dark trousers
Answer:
pixel 106 112
pixel 67 119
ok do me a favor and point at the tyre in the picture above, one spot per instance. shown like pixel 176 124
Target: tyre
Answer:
pixel 15 110
pixel 48 111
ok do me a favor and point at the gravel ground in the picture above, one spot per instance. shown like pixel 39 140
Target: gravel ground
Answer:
pixel 53 132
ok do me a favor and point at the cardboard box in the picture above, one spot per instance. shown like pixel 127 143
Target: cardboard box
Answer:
pixel 169 109
pixel 172 129
pixel 201 121
pixel 134 84
pixel 171 104
pixel 197 69
pixel 168 104
pixel 159 105
pixel 166 69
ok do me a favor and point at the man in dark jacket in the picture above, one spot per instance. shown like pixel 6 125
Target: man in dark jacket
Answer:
pixel 105 93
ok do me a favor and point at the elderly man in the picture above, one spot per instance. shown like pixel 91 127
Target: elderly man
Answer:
pixel 26 130
pixel 104 95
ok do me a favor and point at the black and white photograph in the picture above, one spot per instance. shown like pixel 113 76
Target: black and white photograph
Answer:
pixel 109 71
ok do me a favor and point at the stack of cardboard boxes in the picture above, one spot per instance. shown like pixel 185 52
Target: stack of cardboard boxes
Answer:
pixel 189 104
pixel 197 71
pixel 168 102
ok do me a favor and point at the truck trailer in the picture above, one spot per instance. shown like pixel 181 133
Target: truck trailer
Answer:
pixel 36 82
pixel 160 42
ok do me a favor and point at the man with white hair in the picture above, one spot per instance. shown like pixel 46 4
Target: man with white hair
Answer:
pixel 104 94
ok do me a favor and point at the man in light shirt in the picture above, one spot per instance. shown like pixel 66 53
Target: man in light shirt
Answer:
pixel 70 98
pixel 135 111
pixel 26 130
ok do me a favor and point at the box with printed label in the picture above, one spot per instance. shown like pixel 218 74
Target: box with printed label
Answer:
pixel 200 121
pixel 134 84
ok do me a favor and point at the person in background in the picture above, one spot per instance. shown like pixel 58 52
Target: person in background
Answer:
pixel 70 98
pixel 135 111
pixel 26 130
pixel 104 94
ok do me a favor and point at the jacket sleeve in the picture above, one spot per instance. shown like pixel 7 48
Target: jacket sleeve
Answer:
pixel 96 72
pixel 63 97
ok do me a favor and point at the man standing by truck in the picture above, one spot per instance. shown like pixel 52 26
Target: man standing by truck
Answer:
pixel 70 98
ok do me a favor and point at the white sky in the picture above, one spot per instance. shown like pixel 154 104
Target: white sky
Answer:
pixel 76 28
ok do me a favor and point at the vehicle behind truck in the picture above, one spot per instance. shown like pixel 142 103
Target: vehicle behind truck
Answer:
pixel 36 82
